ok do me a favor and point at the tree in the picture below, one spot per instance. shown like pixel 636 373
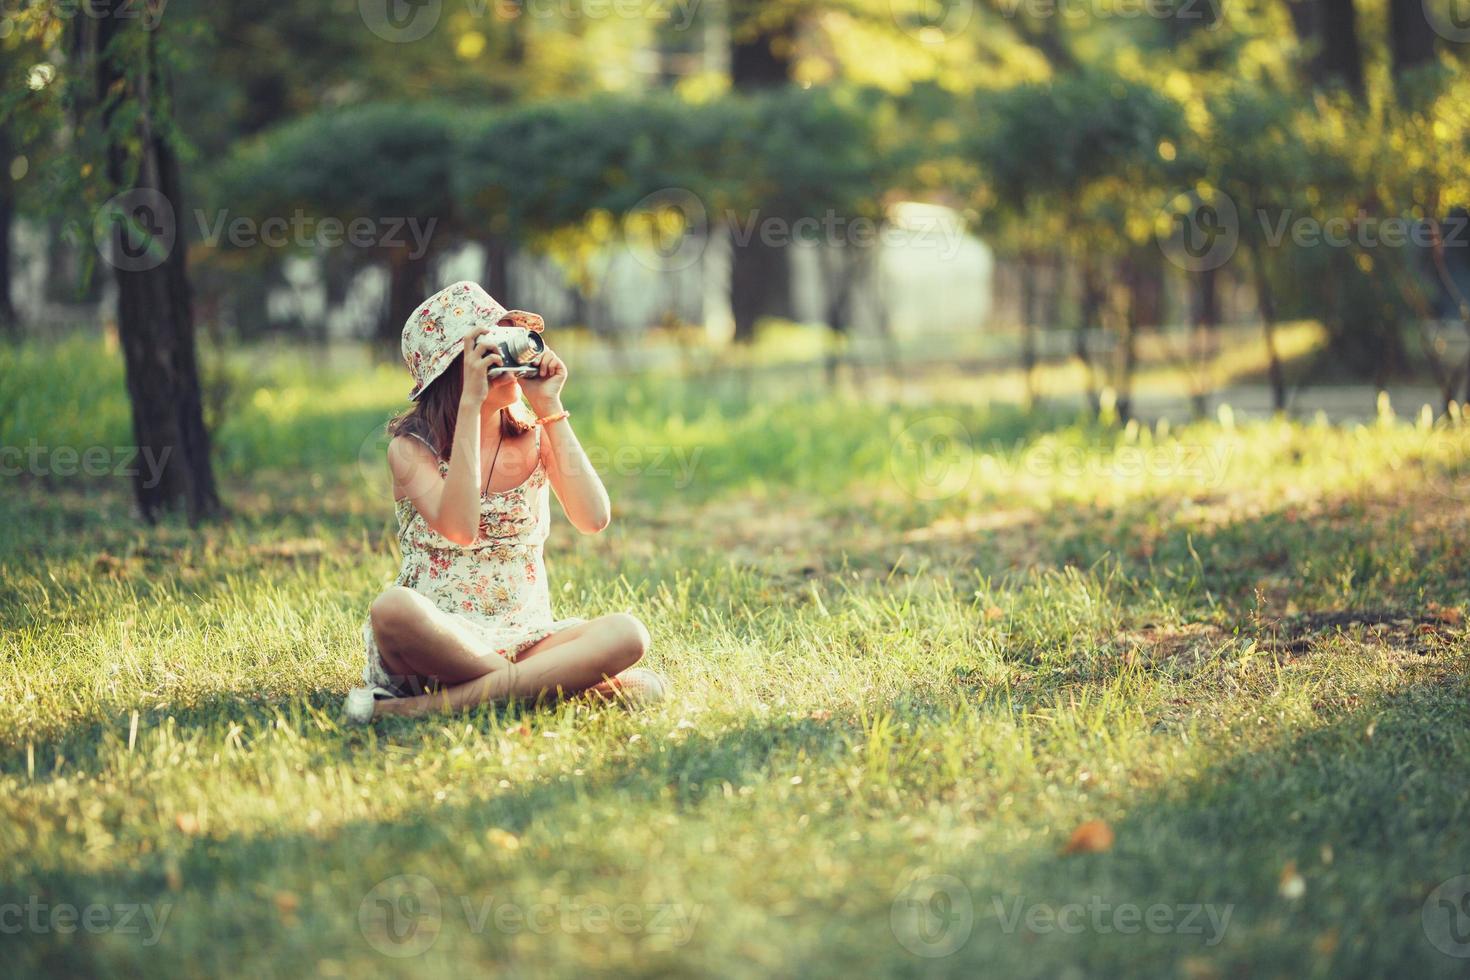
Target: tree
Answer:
pixel 120 77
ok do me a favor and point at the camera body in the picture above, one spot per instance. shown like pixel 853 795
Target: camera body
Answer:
pixel 519 349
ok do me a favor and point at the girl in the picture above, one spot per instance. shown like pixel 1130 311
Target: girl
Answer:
pixel 470 612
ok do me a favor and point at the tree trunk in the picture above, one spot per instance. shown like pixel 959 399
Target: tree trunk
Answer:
pixel 1329 29
pixel 760 282
pixel 1091 312
pixel 1266 303
pixel 1030 302
pixel 1206 316
pixel 407 276
pixel 154 314
pixel 760 277
pixel 1411 36
pixel 497 270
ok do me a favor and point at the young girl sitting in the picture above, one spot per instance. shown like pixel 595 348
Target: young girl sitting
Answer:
pixel 470 613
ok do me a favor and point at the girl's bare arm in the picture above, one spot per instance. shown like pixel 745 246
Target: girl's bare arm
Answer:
pixel 450 505
pixel 576 483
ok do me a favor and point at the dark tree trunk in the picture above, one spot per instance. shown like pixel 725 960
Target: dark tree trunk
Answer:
pixel 760 282
pixel 407 278
pixel 760 279
pixel 1206 317
pixel 154 314
pixel 1329 29
pixel 1145 294
pixel 1411 36
pixel 497 270
pixel 1266 303
pixel 1093 294
pixel 1342 56
pixel 1030 304
pixel 9 322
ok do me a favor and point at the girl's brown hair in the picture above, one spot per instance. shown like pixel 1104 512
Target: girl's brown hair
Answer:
pixel 433 416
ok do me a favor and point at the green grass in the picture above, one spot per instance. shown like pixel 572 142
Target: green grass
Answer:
pixel 1238 645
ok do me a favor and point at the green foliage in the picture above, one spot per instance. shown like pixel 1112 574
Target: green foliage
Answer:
pixel 371 161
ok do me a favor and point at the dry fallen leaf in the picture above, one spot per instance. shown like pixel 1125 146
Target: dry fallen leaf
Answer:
pixel 1092 837
pixel 188 823
pixel 994 613
pixel 1448 615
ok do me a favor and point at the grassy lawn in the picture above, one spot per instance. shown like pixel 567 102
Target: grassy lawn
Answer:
pixel 916 648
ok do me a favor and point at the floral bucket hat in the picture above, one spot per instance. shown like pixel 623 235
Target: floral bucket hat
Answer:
pixel 434 334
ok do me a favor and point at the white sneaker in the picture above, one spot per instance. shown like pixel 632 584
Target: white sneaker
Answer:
pixel 358 708
pixel 641 687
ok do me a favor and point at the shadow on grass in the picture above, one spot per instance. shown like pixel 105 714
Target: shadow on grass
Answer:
pixel 1368 809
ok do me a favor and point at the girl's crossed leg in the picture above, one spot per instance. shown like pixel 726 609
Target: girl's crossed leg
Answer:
pixel 417 639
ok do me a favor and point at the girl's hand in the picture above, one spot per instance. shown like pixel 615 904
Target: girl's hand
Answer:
pixel 543 391
pixel 477 361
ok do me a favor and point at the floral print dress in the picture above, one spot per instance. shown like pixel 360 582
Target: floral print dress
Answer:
pixel 496 586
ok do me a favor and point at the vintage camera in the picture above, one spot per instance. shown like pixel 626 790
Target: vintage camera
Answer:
pixel 520 350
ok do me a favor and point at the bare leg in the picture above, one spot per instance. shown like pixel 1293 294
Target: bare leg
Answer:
pixel 414 637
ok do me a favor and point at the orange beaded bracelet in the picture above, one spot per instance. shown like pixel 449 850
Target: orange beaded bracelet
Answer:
pixel 563 414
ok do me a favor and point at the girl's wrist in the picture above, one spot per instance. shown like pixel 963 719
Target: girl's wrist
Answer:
pixel 546 408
